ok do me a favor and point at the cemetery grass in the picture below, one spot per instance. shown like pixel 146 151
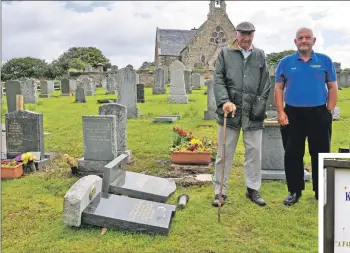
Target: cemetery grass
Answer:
pixel 32 206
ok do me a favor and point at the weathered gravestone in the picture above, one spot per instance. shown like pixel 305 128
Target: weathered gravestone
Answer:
pixel 188 85
pixel 336 113
pixel 86 203
pixel 136 185
pixel 68 86
pixel 111 85
pixel 166 73
pixel 137 78
pixel 342 81
pixel 80 95
pixel 29 90
pixel 272 156
pixel 140 93
pixel 159 84
pixel 87 85
pixel 100 143
pixel 177 84
pixel 25 133
pixel 46 88
pixel 196 81
pixel 127 92
pixel 120 112
pixel 271 110
pixel 210 114
pixel 104 83
pixel 13 88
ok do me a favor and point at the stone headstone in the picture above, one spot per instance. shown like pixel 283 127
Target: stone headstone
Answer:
pixel 46 88
pixel 79 197
pixel 196 81
pixel 210 114
pixel 272 156
pixel 80 95
pixel 177 84
pixel 348 80
pixel 100 143
pixel 104 83
pixel 29 90
pixel 120 113
pixel 127 91
pixel 135 185
pixel 166 73
pixel 271 110
pixel 65 87
pixel 87 85
pixel 113 211
pixel 159 84
pixel 164 119
pixel 140 93
pixel 137 78
pixel 342 80
pixel 111 85
pixel 336 113
pixel 24 133
pixel 13 88
pixel 188 85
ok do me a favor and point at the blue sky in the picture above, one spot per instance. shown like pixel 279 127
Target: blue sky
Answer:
pixel 125 30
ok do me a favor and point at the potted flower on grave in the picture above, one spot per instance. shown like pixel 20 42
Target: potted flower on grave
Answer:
pixel 11 169
pixel 186 149
pixel 72 163
pixel 28 162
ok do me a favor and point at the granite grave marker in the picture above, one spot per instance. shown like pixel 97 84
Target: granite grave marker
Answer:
pixel 177 84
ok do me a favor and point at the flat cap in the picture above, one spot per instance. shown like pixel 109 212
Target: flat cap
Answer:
pixel 245 27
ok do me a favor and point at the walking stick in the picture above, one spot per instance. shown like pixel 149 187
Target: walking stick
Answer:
pixel 222 166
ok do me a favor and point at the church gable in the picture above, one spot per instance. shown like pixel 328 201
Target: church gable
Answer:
pixel 216 32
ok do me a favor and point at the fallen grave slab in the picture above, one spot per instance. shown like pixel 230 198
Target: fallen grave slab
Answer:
pixel 164 119
pixel 135 185
pixel 88 202
pixel 113 211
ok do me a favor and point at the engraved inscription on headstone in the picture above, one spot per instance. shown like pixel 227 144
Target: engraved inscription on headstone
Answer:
pixel 24 133
pixel 143 211
pixel 99 137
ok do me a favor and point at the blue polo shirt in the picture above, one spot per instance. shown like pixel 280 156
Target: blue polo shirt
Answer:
pixel 305 82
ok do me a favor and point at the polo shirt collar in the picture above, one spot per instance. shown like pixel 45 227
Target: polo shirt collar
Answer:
pixel 312 56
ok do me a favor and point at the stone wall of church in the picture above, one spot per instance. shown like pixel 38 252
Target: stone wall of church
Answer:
pixel 167 60
pixel 203 47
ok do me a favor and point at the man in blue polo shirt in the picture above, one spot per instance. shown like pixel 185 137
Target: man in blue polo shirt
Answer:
pixel 310 84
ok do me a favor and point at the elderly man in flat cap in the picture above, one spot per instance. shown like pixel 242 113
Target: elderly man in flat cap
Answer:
pixel 241 87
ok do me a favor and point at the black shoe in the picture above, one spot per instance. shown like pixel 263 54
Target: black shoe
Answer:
pixel 254 196
pixel 216 200
pixel 292 199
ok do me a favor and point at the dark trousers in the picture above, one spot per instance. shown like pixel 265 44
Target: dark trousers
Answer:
pixel 315 123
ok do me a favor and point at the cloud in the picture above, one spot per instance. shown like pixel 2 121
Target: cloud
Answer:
pixel 125 30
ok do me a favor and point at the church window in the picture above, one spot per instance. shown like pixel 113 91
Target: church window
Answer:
pixel 218 36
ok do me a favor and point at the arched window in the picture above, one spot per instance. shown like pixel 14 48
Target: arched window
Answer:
pixel 218 36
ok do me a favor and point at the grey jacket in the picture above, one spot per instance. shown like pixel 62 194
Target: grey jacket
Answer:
pixel 240 82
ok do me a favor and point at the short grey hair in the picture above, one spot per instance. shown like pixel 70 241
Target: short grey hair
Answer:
pixel 304 28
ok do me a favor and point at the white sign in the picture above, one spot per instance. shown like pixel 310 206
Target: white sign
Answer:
pixel 341 211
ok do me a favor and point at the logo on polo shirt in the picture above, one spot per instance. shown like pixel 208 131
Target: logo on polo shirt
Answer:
pixel 315 66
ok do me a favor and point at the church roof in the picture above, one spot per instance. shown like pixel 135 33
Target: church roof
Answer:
pixel 173 41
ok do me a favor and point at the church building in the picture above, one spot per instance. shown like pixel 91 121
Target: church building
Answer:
pixel 196 48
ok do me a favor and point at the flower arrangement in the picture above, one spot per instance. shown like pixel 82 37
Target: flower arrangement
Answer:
pixel 183 141
pixel 72 162
pixel 28 161
pixel 7 164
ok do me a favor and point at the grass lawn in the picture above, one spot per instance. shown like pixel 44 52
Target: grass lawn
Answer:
pixel 32 206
